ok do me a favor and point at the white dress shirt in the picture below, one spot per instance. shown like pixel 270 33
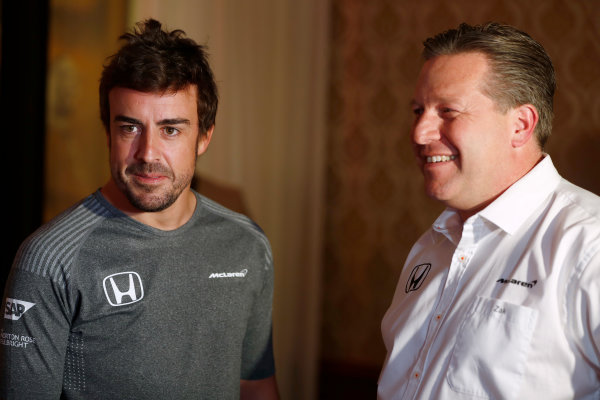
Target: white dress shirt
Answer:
pixel 504 306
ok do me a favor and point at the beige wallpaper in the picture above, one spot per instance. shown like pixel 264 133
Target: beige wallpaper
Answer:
pixel 375 207
pixel 82 33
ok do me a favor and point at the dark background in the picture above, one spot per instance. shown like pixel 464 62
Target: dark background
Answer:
pixel 22 89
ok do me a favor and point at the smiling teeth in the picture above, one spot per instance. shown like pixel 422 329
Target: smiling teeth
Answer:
pixel 436 159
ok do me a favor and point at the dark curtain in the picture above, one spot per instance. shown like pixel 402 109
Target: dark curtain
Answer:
pixel 22 89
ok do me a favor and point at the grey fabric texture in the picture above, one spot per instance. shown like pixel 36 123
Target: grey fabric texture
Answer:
pixel 100 306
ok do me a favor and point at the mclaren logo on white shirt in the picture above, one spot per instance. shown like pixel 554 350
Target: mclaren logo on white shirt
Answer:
pixel 517 282
pixel 123 288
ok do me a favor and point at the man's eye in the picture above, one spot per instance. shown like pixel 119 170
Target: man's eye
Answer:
pixel 417 111
pixel 129 128
pixel 170 131
pixel 448 113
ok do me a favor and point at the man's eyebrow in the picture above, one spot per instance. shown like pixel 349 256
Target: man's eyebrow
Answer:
pixel 174 121
pixel 166 121
pixel 129 120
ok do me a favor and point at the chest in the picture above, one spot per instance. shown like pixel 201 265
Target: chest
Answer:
pixel 135 287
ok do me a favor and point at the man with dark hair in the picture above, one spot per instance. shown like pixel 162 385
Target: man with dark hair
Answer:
pixel 145 289
pixel 500 298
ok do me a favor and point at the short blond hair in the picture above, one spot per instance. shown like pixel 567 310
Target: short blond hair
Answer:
pixel 521 70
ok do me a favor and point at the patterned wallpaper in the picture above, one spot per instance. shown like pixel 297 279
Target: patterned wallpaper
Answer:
pixel 375 206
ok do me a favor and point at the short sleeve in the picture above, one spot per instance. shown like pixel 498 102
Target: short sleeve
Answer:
pixel 583 307
pixel 257 352
pixel 35 331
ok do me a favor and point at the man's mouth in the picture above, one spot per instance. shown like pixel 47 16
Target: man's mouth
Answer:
pixel 148 171
pixel 149 177
pixel 437 159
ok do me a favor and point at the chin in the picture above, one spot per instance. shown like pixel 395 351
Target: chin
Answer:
pixel 441 191
pixel 151 202
pixel 435 194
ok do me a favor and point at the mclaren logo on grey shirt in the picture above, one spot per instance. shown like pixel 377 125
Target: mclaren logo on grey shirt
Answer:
pixel 241 274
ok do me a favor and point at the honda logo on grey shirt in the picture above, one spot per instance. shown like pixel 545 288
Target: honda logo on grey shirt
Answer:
pixel 123 288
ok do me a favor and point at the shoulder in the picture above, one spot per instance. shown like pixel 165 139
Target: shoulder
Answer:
pixel 580 201
pixel 572 225
pixel 229 220
pixel 576 211
pixel 49 251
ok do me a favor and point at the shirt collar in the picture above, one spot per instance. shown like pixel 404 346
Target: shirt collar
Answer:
pixel 512 207
pixel 519 201
pixel 449 224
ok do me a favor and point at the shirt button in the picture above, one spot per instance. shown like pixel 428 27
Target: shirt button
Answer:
pixel 438 317
pixel 417 375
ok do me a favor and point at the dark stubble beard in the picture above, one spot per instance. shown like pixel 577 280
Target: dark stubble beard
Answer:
pixel 147 200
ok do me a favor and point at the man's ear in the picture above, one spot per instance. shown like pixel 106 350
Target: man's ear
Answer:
pixel 525 120
pixel 204 140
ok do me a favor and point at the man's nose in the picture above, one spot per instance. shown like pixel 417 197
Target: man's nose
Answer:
pixel 147 147
pixel 426 129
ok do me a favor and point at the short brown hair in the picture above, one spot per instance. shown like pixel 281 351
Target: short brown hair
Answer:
pixel 156 60
pixel 522 72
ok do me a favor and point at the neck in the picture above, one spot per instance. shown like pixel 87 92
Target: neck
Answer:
pixel 534 160
pixel 171 218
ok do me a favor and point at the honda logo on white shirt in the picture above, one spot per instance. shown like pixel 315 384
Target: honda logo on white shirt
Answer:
pixel 417 277
pixel 123 288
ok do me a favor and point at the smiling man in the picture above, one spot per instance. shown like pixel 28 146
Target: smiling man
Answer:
pixel 500 298
pixel 145 289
